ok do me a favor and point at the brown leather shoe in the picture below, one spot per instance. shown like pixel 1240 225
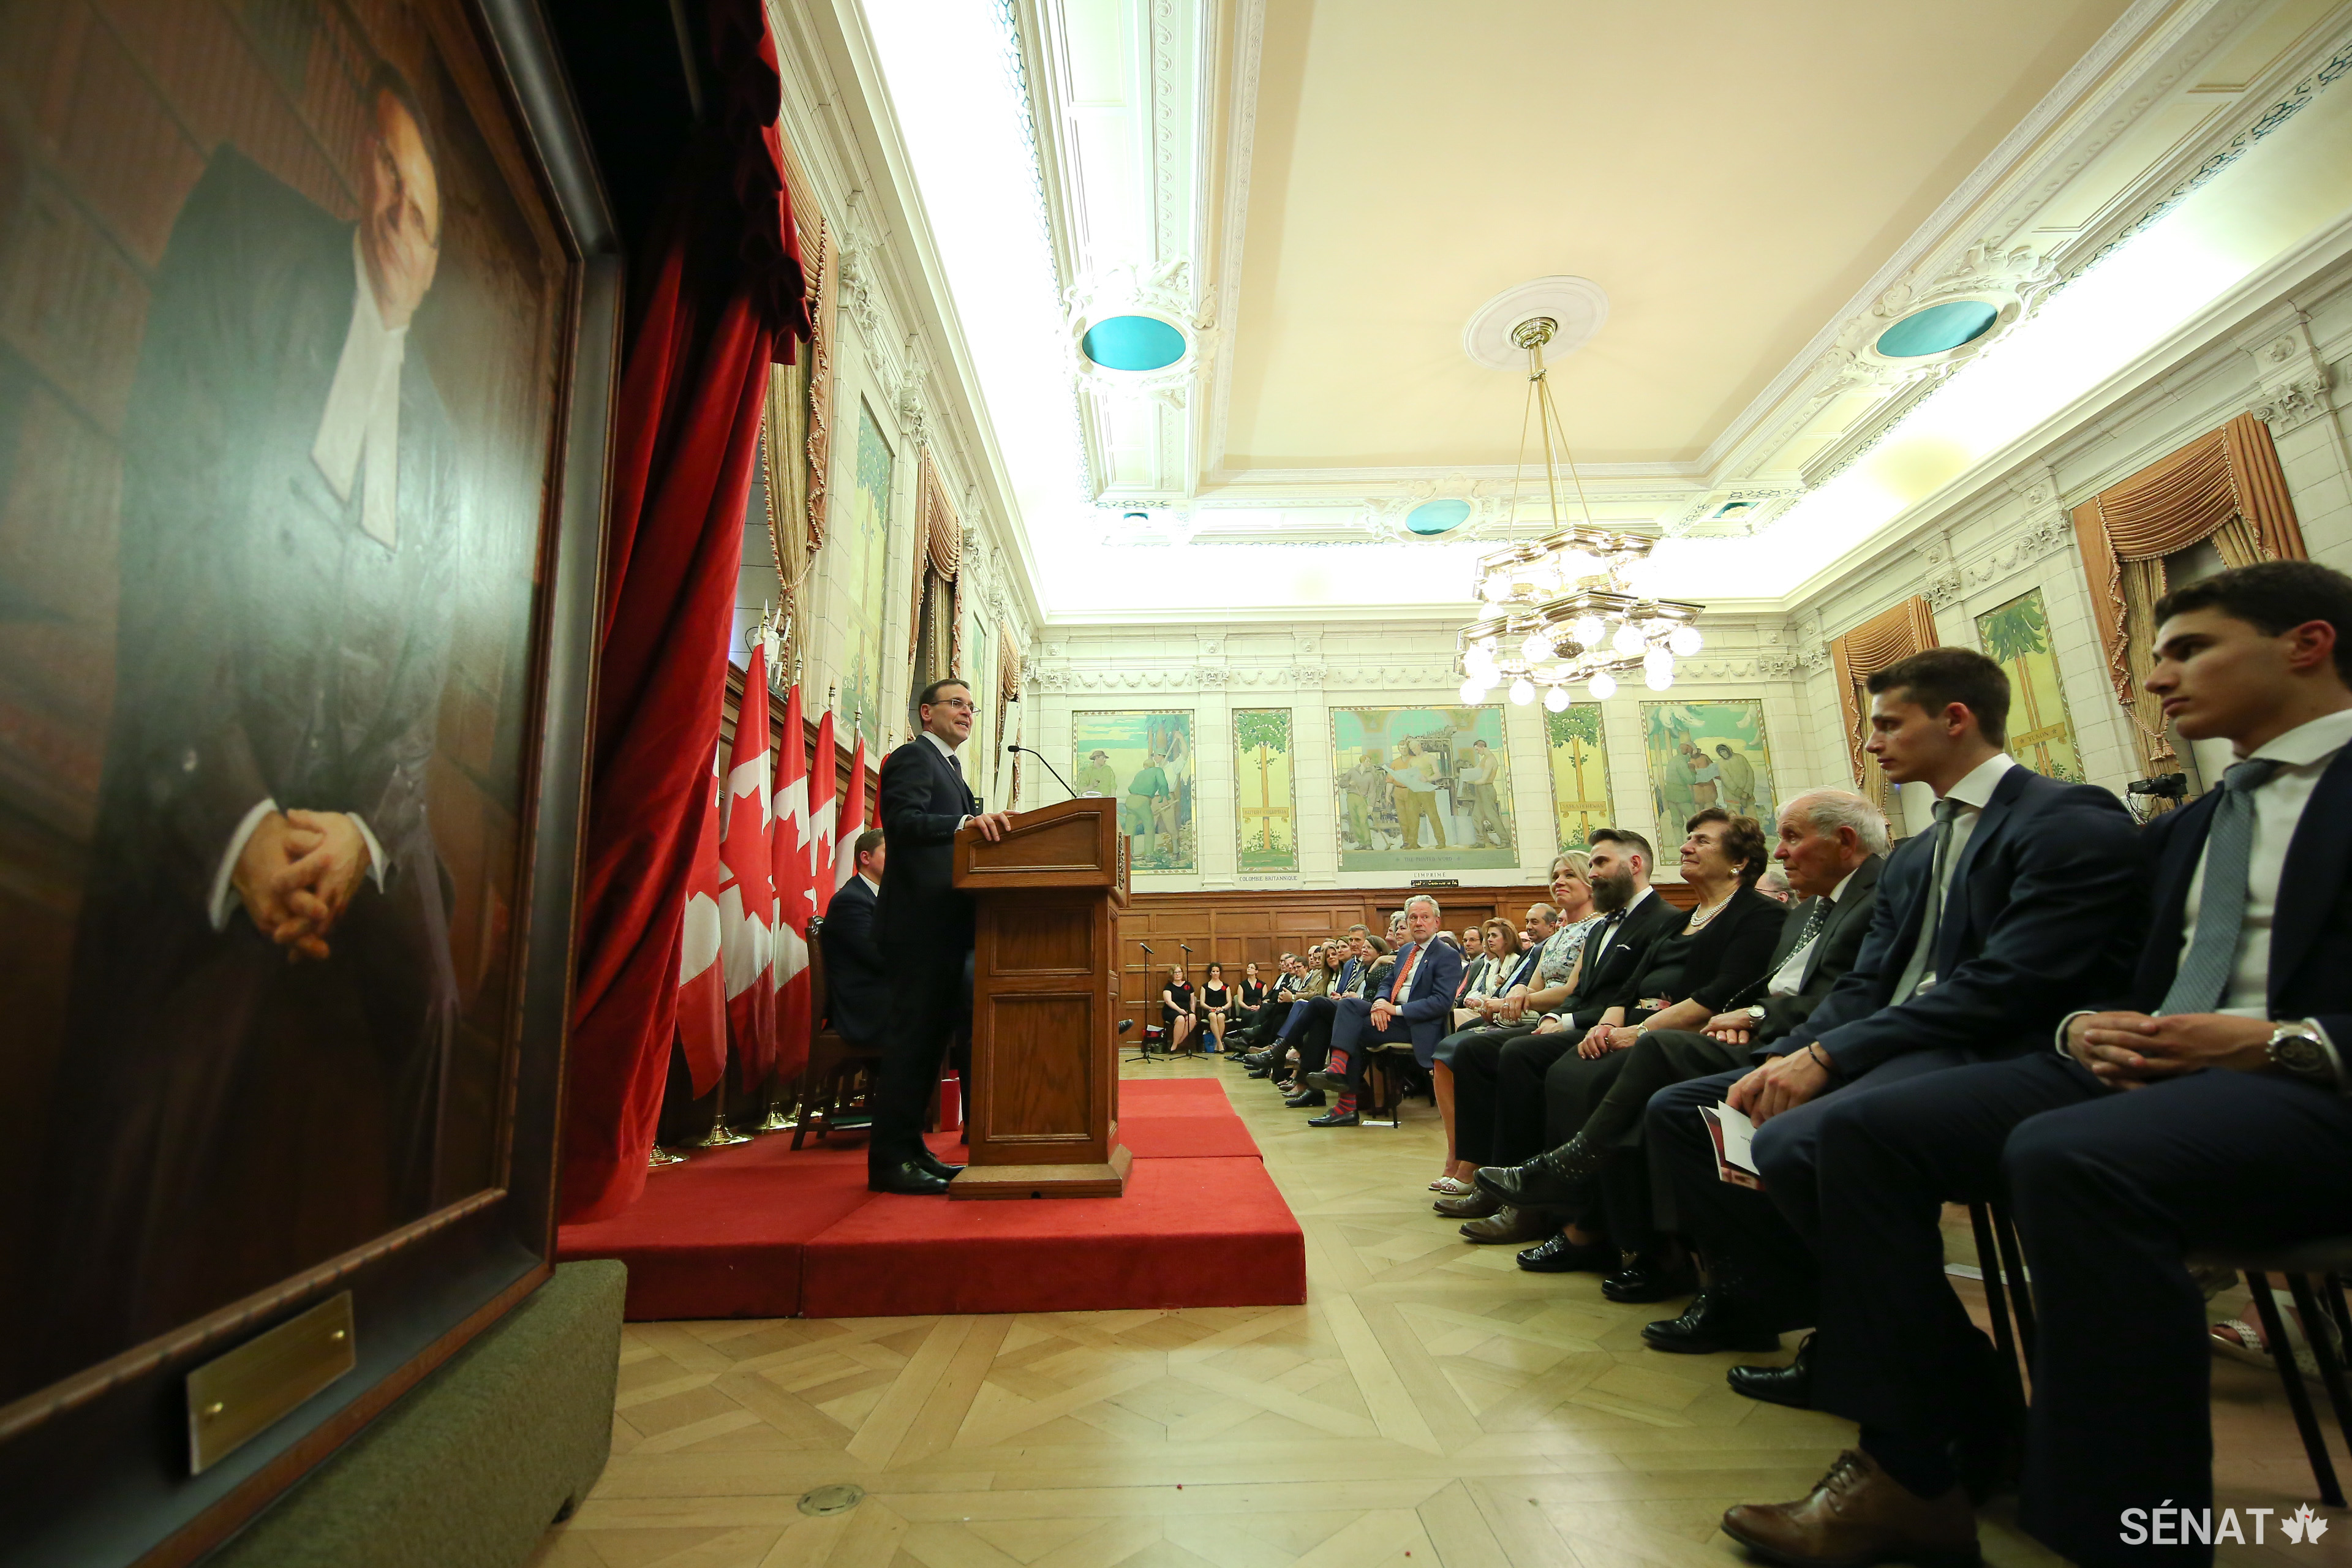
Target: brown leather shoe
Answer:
pixel 1469 1205
pixel 1858 1514
pixel 1515 1226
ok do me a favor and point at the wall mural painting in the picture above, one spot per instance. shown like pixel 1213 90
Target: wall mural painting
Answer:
pixel 1579 775
pixel 270 542
pixel 859 548
pixel 2016 636
pixel 1265 807
pixel 1422 789
pixel 1144 762
pixel 1703 754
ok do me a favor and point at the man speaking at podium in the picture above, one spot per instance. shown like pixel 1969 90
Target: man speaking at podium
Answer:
pixel 927 934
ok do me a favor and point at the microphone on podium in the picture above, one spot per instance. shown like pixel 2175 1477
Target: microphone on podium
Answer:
pixel 1050 768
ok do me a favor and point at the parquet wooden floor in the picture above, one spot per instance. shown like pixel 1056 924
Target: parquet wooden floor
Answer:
pixel 1429 1405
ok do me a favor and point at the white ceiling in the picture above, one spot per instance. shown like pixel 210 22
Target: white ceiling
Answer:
pixel 1319 196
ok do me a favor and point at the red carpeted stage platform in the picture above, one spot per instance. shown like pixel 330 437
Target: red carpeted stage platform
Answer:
pixel 758 1231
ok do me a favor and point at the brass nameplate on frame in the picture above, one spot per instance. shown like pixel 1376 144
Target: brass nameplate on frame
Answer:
pixel 234 1398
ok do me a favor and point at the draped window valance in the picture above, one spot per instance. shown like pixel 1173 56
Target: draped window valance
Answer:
pixel 936 642
pixel 2226 486
pixel 1887 639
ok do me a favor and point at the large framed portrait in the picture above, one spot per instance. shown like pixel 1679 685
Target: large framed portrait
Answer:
pixel 307 324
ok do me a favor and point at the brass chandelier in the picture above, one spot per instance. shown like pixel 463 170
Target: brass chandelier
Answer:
pixel 1558 612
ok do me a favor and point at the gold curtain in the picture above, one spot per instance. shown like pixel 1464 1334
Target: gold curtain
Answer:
pixel 2226 486
pixel 800 404
pixel 1888 637
pixel 939 554
pixel 1008 693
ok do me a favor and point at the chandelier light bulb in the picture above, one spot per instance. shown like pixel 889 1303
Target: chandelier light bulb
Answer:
pixel 1686 641
pixel 1657 679
pixel 1472 693
pixel 1628 640
pixel 1576 564
pixel 1479 663
pixel 1588 630
pixel 1556 699
pixel 1658 658
pixel 1603 686
pixel 1537 645
pixel 1494 589
pixel 1523 691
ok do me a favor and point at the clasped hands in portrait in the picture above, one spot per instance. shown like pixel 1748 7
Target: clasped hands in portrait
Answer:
pixel 297 875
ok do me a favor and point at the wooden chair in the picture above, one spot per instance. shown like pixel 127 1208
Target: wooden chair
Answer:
pixel 833 1062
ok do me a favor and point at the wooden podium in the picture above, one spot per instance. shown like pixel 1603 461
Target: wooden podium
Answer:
pixel 1044 1058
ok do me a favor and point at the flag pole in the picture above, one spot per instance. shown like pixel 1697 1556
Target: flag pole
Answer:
pixel 779 1119
pixel 721 1135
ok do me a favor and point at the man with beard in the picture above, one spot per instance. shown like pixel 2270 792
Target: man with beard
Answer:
pixel 262 997
pixel 1488 1129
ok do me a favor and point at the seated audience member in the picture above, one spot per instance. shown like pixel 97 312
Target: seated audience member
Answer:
pixel 2026 894
pixel 1297 973
pixel 1472 940
pixel 1179 1010
pixel 1775 887
pixel 1307 1030
pixel 1330 969
pixel 1494 971
pixel 1217 1005
pixel 1492 1129
pixel 1409 1001
pixel 1690 973
pixel 2230 1037
pixel 1832 843
pixel 1252 996
pixel 856 981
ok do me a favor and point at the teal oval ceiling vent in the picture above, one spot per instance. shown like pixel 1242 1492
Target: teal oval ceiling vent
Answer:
pixel 1132 342
pixel 1437 516
pixel 1938 329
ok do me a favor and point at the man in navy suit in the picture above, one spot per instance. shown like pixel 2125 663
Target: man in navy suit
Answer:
pixel 856 981
pixel 2026 895
pixel 1415 1004
pixel 2206 1102
pixel 927 934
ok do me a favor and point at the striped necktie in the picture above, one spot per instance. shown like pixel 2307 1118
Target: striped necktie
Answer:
pixel 2203 979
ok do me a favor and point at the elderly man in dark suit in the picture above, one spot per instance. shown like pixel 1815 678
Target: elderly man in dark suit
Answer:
pixel 263 953
pixel 857 979
pixel 2027 893
pixel 1414 1002
pixel 927 934
pixel 2205 1101
pixel 1832 843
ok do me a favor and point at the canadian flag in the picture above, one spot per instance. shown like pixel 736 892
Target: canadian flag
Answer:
pixel 850 820
pixel 825 827
pixel 701 978
pixel 789 849
pixel 747 894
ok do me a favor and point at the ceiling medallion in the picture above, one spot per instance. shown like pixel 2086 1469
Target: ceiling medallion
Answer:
pixel 1558 611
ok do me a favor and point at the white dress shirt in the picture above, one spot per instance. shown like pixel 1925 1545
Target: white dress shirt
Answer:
pixel 949 753
pixel 1789 978
pixel 2305 752
pixel 1971 795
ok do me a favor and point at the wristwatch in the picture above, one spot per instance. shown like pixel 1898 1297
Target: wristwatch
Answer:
pixel 2298 1050
pixel 1754 1013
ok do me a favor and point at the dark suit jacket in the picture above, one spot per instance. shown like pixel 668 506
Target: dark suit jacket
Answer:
pixel 857 983
pixel 1832 954
pixel 1726 956
pixel 2046 907
pixel 1427 1009
pixel 923 802
pixel 1609 976
pixel 2311 934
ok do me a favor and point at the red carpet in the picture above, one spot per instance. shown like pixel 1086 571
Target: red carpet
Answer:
pixel 757 1231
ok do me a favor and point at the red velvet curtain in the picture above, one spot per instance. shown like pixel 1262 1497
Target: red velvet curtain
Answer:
pixel 718 296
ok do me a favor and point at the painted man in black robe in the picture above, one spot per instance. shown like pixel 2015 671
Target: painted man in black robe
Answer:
pixel 263 998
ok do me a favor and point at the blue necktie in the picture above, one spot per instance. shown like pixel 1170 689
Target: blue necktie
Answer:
pixel 2203 979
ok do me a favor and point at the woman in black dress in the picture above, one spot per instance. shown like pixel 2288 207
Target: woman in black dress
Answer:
pixel 1176 1007
pixel 1254 993
pixel 1216 1007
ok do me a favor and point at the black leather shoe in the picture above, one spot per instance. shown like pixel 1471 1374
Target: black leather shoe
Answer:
pixel 1644 1281
pixel 1555 1179
pixel 1791 1386
pixel 1469 1205
pixel 1312 1097
pixel 1558 1255
pixel 905 1177
pixel 1261 1073
pixel 1713 1322
pixel 936 1166
pixel 1337 1083
pixel 1336 1120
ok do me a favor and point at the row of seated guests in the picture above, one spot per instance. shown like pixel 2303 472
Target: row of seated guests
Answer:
pixel 1215 1009
pixel 2128 1036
